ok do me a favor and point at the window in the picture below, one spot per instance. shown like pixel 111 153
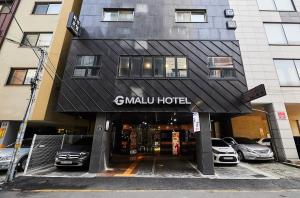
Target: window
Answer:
pixel 118 14
pixel 147 66
pixel 136 66
pixel 46 8
pixel 181 67
pixel 283 34
pixel 37 39
pixel 124 67
pixel 221 67
pixel 288 72
pixel 159 70
pixel 21 76
pixel 193 16
pixel 276 5
pixel 170 67
pixel 5 7
pixel 87 66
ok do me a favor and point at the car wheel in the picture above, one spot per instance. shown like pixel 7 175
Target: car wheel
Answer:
pixel 241 156
pixel 22 164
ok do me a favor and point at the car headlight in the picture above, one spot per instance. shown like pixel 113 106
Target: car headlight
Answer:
pixel 215 151
pixel 6 158
pixel 84 154
pixel 249 150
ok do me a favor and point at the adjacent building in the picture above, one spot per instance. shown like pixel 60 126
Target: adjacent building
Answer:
pixel 268 32
pixel 37 24
pixel 7 9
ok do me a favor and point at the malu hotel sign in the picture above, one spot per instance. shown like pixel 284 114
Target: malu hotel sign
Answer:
pixel 124 100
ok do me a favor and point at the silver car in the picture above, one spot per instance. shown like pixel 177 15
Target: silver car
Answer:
pixel 249 149
pixel 7 152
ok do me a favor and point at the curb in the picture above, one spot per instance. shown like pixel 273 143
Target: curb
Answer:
pixel 290 164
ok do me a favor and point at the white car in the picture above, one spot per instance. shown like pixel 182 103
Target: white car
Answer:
pixel 265 141
pixel 7 152
pixel 223 153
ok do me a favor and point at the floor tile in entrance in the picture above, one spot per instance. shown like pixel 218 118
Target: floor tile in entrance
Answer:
pixel 154 166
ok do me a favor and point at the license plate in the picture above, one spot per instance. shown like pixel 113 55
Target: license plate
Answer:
pixel 228 158
pixel 66 162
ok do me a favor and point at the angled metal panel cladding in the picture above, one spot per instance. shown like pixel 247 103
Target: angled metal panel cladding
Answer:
pixel 206 95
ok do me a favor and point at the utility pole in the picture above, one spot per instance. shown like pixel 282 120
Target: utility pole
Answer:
pixel 34 85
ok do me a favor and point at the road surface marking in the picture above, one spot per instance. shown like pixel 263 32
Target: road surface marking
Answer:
pixel 130 169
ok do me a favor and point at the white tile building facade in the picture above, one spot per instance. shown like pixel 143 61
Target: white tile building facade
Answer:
pixel 258 57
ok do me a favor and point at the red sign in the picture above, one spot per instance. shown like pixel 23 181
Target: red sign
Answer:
pixel 281 115
pixel 175 143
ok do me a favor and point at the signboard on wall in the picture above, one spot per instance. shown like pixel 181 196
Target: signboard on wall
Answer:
pixel 73 24
pixel 255 93
pixel 3 129
pixel 175 143
pixel 124 100
pixel 196 122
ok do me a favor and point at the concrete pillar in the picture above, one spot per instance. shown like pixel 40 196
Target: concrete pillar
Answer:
pixel 204 153
pixel 281 133
pixel 101 146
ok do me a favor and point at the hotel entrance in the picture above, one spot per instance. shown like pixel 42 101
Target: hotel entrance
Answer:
pixel 132 143
pixel 154 133
pixel 152 144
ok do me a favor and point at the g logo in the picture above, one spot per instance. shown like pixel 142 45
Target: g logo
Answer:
pixel 119 100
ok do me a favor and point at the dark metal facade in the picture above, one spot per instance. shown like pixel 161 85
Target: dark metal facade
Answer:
pixel 154 32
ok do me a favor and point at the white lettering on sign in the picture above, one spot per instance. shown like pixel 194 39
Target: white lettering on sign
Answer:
pixel 123 100
pixel 196 122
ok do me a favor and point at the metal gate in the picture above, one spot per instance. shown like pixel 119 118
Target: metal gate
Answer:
pixel 42 152
pixel 44 149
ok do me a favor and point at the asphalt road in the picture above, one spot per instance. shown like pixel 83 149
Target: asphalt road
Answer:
pixel 156 194
pixel 161 177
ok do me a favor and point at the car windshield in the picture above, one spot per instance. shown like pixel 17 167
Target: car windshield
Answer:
pixel 25 144
pixel 10 145
pixel 219 143
pixel 245 141
pixel 266 140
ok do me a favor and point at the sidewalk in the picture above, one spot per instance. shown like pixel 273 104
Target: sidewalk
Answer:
pixel 26 183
